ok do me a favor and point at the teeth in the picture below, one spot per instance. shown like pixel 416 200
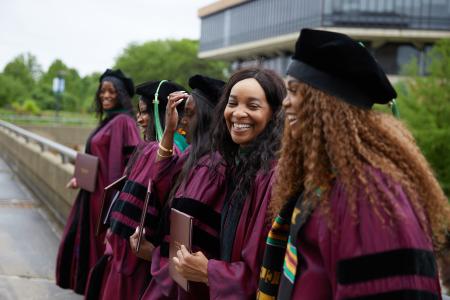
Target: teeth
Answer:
pixel 291 118
pixel 237 125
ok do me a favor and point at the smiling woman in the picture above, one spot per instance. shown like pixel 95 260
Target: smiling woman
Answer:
pixel 356 206
pixel 247 138
pixel 108 95
pixel 112 142
pixel 247 112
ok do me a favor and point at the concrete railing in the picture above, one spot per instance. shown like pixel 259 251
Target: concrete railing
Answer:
pixel 66 153
pixel 68 135
pixel 43 165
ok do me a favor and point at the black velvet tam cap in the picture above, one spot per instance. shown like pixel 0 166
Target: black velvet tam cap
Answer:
pixel 338 65
pixel 148 90
pixel 127 81
pixel 211 88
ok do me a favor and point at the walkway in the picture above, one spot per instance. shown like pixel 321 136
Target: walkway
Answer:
pixel 28 244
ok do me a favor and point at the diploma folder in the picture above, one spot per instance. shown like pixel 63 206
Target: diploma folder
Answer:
pixel 180 234
pixel 143 215
pixel 108 194
pixel 86 168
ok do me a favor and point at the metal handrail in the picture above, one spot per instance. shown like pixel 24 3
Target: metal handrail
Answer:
pixel 67 154
pixel 47 119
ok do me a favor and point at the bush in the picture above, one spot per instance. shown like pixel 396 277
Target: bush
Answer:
pixel 425 106
pixel 29 107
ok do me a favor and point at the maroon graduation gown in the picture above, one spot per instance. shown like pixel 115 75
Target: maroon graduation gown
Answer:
pixel 200 195
pixel 238 279
pixel 366 259
pixel 120 274
pixel 113 143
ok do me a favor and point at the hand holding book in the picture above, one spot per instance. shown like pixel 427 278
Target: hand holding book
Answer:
pixel 192 266
pixel 146 248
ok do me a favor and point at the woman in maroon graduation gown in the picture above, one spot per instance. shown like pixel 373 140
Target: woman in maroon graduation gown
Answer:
pixel 198 190
pixel 112 142
pixel 372 215
pixel 247 137
pixel 119 274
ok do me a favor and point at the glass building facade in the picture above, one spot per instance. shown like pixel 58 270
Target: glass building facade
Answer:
pixel 256 20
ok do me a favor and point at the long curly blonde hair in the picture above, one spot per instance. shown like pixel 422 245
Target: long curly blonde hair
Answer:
pixel 338 138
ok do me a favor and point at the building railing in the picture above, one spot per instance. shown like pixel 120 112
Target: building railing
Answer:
pixel 67 154
pixel 257 20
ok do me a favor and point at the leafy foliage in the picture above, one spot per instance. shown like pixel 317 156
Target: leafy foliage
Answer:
pixel 23 79
pixel 425 106
pixel 167 59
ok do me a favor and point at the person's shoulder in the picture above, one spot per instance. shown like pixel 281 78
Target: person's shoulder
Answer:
pixel 123 118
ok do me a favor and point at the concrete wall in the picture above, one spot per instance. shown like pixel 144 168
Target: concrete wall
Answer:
pixel 70 136
pixel 42 172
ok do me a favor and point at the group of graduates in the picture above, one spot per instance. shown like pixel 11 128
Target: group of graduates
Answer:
pixel 297 188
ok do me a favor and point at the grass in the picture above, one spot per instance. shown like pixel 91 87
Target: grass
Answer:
pixel 49 117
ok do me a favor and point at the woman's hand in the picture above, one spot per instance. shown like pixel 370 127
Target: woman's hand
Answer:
pixel 72 184
pixel 193 267
pixel 146 248
pixel 173 100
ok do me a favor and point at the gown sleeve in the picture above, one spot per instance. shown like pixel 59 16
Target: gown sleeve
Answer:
pixel 239 279
pixel 124 137
pixel 164 172
pixel 375 258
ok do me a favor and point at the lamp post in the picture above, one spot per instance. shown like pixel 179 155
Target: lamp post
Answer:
pixel 58 89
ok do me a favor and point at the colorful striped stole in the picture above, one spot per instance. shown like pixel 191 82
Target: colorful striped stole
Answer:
pixel 271 269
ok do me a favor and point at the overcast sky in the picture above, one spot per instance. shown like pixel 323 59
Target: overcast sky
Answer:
pixel 89 34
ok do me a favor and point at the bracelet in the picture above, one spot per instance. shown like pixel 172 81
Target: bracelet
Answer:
pixel 165 149
pixel 163 156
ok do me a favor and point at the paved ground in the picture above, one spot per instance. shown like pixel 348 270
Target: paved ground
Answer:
pixel 28 244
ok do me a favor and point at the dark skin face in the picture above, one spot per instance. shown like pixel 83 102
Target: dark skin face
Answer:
pixel 247 112
pixel 292 104
pixel 108 95
pixel 189 117
pixel 142 116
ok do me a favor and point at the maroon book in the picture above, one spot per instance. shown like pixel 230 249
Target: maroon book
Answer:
pixel 180 234
pixel 108 194
pixel 86 168
pixel 143 214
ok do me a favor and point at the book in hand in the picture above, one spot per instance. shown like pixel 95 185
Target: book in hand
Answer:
pixel 112 191
pixel 143 215
pixel 180 234
pixel 86 168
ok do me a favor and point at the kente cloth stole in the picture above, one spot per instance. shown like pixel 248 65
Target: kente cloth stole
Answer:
pixel 274 253
pixel 291 266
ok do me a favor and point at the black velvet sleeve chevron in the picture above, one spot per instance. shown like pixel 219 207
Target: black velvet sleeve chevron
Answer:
pixel 400 262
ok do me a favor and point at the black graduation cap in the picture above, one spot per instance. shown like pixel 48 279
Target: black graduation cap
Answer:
pixel 338 65
pixel 149 88
pixel 127 81
pixel 209 87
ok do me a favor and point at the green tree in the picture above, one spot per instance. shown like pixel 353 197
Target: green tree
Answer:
pixel 24 69
pixel 11 90
pixel 18 79
pixel 167 59
pixel 90 84
pixel 425 106
pixel 74 89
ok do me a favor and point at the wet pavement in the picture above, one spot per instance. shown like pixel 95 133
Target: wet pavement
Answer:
pixel 28 244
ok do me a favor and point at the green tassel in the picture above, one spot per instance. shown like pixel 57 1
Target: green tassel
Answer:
pixel 157 121
pixel 394 108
